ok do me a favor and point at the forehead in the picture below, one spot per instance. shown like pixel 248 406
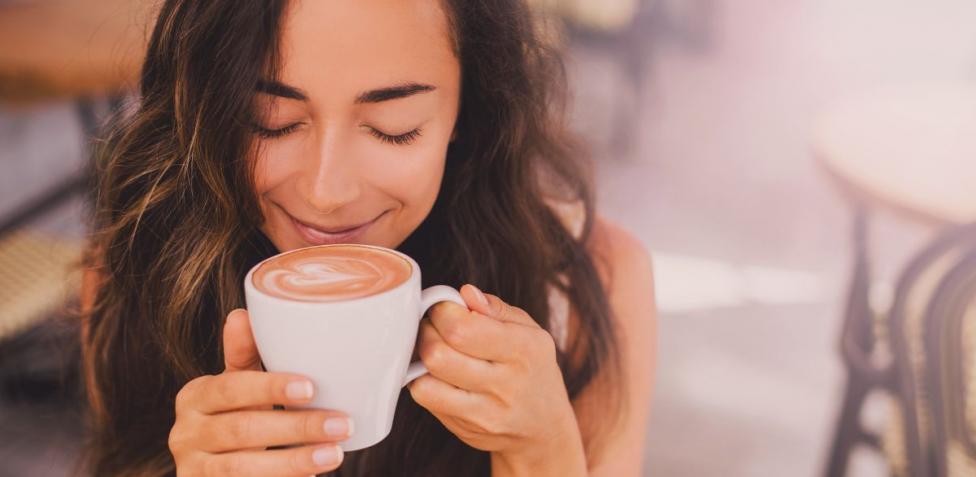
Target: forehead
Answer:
pixel 352 44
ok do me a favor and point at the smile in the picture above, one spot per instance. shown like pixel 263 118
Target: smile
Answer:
pixel 316 235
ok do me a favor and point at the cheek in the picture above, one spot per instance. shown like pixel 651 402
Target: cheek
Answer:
pixel 273 163
pixel 410 174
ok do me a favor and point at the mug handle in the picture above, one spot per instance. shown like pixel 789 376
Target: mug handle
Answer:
pixel 428 298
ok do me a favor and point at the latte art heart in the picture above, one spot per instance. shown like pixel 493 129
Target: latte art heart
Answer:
pixel 331 273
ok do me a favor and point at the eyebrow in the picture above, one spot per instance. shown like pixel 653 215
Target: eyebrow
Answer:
pixel 372 96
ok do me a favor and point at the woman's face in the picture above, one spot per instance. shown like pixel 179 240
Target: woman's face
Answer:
pixel 355 132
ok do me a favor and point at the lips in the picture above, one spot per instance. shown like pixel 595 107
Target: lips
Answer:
pixel 317 235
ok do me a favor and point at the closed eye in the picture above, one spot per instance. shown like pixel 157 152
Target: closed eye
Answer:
pixel 274 133
pixel 400 140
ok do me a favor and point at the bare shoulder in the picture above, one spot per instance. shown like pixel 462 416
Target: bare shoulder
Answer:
pixel 625 263
pixel 627 274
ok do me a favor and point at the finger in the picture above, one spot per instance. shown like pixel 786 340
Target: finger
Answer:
pixel 495 307
pixel 453 366
pixel 240 350
pixel 440 397
pixel 260 429
pixel 296 461
pixel 475 299
pixel 242 389
pixel 508 313
pixel 474 334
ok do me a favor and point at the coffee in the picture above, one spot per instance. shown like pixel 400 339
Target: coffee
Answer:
pixel 346 316
pixel 331 273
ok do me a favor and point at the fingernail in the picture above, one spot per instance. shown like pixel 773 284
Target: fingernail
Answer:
pixel 338 426
pixel 481 296
pixel 299 390
pixel 327 456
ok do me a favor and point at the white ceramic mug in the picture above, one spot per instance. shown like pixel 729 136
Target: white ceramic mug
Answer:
pixel 357 351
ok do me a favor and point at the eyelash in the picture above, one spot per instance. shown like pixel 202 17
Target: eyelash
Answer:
pixel 400 140
pixel 275 133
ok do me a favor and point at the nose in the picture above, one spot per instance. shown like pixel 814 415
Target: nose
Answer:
pixel 330 180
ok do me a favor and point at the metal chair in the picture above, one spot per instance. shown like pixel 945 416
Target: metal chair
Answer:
pixel 922 336
pixel 39 284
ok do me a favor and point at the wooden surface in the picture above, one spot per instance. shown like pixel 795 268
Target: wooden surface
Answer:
pixel 68 48
pixel 908 149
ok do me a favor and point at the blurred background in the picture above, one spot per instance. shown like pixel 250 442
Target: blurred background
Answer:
pixel 804 172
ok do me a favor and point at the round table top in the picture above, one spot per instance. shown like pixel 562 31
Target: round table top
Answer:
pixel 67 48
pixel 910 149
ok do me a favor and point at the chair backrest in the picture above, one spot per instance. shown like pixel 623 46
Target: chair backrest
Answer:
pixel 950 369
pixel 931 329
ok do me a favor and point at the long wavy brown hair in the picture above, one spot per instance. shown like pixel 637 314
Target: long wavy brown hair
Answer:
pixel 176 223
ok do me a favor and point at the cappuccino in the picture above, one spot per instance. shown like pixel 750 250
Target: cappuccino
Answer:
pixel 331 273
pixel 346 316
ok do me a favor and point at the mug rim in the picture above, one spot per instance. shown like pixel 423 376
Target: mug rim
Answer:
pixel 414 276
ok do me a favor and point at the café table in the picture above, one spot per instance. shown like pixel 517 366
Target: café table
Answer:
pixel 65 49
pixel 908 151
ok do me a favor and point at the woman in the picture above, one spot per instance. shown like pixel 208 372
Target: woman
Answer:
pixel 431 127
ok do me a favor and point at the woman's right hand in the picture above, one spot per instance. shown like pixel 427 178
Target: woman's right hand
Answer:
pixel 225 423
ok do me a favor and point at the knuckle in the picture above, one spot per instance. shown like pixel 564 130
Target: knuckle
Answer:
pixel 545 341
pixel 176 440
pixel 456 333
pixel 181 400
pixel 222 389
pixel 424 351
pixel 535 346
pixel 426 356
pixel 507 315
pixel 540 344
pixel 240 428
pixel 434 356
pixel 517 314
pixel 231 466
pixel 228 464
pixel 306 427
pixel 184 397
pixel 418 389
pixel 298 462
pixel 427 330
pixel 439 309
pixel 195 465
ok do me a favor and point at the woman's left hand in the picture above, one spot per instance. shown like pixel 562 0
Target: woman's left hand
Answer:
pixel 494 381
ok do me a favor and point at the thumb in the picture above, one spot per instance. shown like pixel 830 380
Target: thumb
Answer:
pixel 240 351
pixel 494 307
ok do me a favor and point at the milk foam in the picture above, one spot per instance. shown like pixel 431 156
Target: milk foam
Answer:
pixel 331 273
